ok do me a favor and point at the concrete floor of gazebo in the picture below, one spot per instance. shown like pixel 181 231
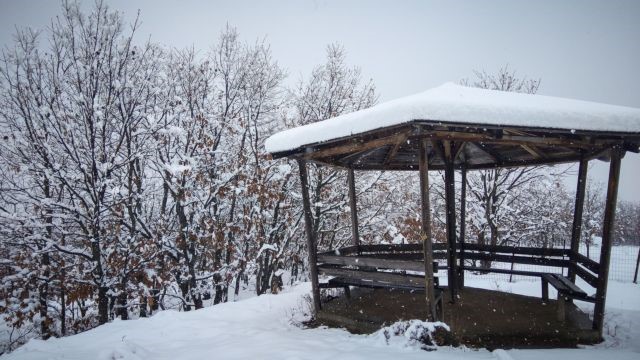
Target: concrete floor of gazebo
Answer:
pixel 480 318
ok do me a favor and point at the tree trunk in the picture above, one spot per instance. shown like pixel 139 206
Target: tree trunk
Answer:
pixel 103 305
pixel 122 306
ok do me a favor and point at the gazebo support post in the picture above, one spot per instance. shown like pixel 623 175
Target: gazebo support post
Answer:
pixel 635 274
pixel 311 243
pixel 463 222
pixel 355 233
pixel 426 231
pixel 577 217
pixel 450 205
pixel 607 238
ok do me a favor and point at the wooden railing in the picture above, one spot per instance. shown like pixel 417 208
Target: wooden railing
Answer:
pixel 396 260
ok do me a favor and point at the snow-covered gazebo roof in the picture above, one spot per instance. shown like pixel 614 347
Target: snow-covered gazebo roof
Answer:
pixel 484 128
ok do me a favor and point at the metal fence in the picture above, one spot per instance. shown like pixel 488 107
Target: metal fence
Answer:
pixel 623 267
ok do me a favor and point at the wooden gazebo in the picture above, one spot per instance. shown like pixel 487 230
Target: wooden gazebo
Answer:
pixel 457 128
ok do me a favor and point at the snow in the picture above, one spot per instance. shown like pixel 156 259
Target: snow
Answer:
pixel 268 326
pixel 452 103
pixel 265 247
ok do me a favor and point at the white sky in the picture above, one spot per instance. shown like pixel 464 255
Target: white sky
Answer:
pixel 587 50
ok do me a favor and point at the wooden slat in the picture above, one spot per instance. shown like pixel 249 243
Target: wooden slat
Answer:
pixel 347 250
pixel 345 282
pixel 588 263
pixel 399 247
pixel 529 260
pixel 522 250
pixel 575 289
pixel 566 287
pixel 416 281
pixel 563 284
pixel 410 256
pixel 380 263
pixel 504 271
pixel 585 275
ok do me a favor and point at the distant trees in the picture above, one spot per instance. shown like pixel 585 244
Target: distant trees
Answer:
pixel 495 195
pixel 130 171
pixel 333 89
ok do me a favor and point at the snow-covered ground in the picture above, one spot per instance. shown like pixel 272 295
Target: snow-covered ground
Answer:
pixel 268 327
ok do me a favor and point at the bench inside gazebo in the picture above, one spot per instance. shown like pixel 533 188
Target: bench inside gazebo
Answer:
pixel 456 128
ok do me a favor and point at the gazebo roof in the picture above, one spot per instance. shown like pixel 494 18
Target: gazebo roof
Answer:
pixel 482 128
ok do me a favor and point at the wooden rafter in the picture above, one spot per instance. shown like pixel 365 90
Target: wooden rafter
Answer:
pixel 355 157
pixel 531 149
pixel 385 149
pixel 458 150
pixel 356 146
pixel 393 151
pixel 534 150
pixel 492 154
pixel 438 148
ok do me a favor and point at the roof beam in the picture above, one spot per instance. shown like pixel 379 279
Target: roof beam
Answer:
pixel 511 139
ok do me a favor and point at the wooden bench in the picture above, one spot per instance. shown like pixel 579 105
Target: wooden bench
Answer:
pixel 345 278
pixel 345 283
pixel 566 292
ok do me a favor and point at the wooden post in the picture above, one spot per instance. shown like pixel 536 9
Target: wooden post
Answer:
pixel 463 222
pixel 450 205
pixel 545 290
pixel 577 217
pixel 607 239
pixel 635 274
pixel 426 231
pixel 311 243
pixel 355 233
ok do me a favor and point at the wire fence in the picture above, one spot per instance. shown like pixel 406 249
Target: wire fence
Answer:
pixel 623 266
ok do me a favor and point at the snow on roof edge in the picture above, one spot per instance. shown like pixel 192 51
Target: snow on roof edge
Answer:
pixel 452 103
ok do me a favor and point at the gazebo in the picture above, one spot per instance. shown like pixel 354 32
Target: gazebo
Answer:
pixel 457 128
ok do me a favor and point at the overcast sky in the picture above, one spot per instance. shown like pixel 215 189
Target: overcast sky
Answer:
pixel 587 50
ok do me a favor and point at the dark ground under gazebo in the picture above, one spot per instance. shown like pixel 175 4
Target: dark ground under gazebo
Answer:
pixel 480 317
pixel 454 128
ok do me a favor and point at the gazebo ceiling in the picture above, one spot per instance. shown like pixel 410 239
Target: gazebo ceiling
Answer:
pixel 476 128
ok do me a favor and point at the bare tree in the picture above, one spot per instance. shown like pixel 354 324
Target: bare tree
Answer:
pixel 494 189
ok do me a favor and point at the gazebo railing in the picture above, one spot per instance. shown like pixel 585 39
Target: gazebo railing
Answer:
pixel 395 265
pixel 400 264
